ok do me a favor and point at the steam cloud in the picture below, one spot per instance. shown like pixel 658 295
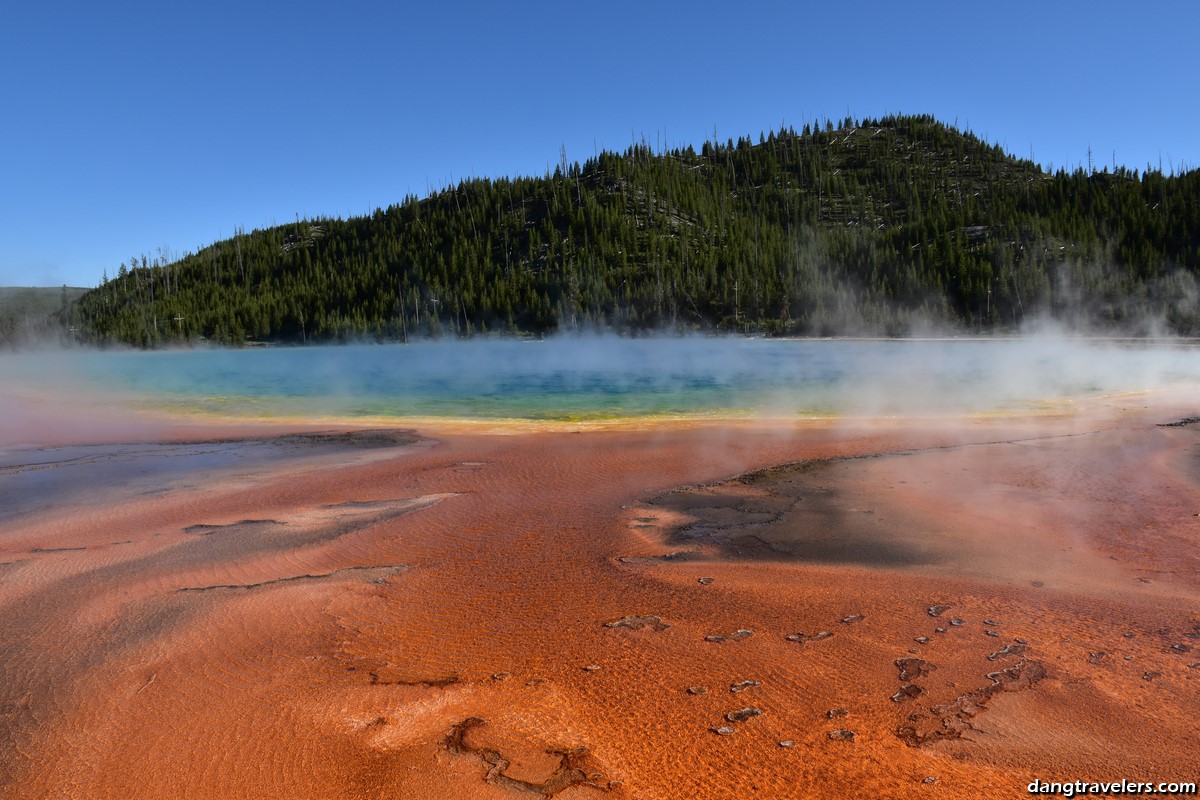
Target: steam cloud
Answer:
pixel 579 377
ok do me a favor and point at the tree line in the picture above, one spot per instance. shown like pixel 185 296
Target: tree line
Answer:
pixel 876 226
pixel 32 316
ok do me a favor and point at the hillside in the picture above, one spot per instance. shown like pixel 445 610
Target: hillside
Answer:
pixel 36 313
pixel 883 226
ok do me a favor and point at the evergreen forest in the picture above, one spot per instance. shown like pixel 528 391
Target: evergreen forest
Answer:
pixel 895 226
pixel 37 315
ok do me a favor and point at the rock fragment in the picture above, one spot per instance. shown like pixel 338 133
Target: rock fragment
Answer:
pixel 743 714
pixel 1012 649
pixel 907 692
pixel 637 622
pixel 913 668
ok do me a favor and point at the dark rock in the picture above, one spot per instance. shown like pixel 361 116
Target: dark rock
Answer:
pixel 1015 678
pixel 697 690
pixel 1180 423
pixel 937 611
pixel 955 718
pixel 1013 649
pixel 913 668
pixel 841 735
pixel 704 581
pixel 907 692
pixel 743 685
pixel 743 714
pixel 854 618
pixel 635 622
pixel 834 713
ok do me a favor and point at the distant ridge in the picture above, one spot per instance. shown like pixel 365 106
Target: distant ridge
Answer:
pixel 888 226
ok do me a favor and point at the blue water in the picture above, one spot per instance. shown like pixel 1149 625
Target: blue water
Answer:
pixel 606 377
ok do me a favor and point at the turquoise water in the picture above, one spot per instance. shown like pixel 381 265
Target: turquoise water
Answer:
pixel 607 377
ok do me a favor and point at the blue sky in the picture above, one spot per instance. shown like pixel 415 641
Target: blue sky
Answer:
pixel 128 128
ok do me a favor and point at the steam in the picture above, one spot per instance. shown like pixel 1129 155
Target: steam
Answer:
pixel 599 376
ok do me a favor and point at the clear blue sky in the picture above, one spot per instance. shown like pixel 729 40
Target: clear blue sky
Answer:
pixel 129 127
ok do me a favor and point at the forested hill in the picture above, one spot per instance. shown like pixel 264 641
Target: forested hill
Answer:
pixel 881 226
pixel 36 314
